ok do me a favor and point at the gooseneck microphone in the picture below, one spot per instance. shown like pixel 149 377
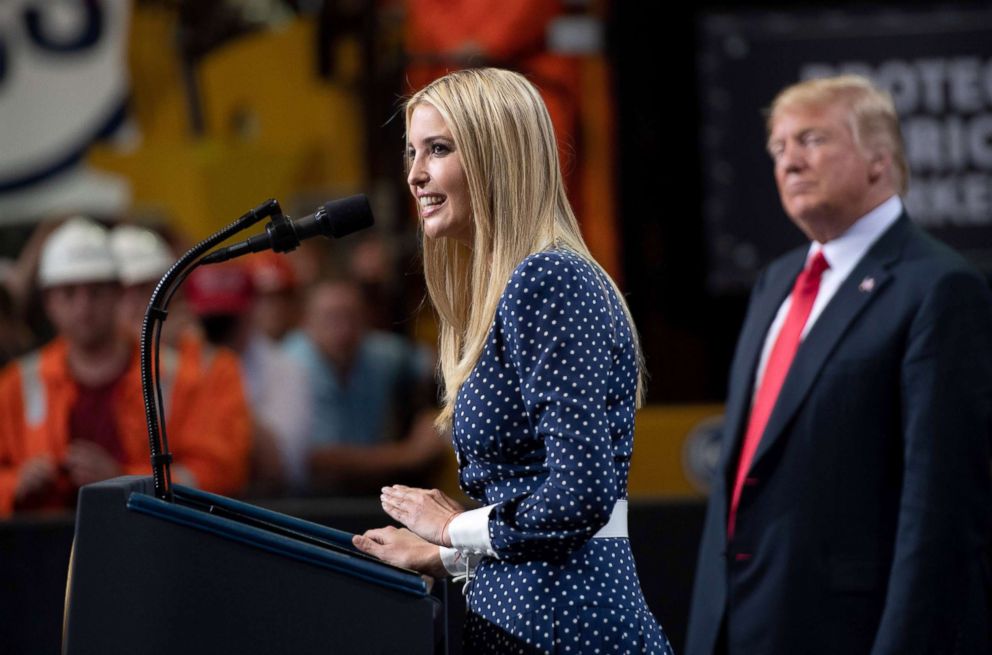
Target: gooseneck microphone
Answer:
pixel 334 219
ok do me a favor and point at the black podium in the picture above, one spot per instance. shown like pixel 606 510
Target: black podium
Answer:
pixel 208 574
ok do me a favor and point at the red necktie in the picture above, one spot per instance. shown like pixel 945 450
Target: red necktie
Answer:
pixel 786 344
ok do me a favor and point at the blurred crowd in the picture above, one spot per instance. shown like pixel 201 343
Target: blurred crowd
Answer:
pixel 280 375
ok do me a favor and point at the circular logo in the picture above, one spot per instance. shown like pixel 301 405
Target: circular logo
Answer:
pixel 701 452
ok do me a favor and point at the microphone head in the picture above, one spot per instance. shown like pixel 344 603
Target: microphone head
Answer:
pixel 342 217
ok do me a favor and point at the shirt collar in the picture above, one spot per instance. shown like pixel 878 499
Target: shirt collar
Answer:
pixel 844 252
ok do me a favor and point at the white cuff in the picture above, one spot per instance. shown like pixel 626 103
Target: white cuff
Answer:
pixel 469 532
pixel 453 561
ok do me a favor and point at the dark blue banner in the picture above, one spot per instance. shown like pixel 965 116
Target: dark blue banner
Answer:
pixel 936 63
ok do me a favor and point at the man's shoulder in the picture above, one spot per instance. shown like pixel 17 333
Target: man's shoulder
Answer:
pixel 298 346
pixel 931 257
pixel 928 275
pixel 785 266
pixel 791 259
pixel 392 350
pixel 912 252
pixel 273 357
pixel 34 370
pixel 48 361
pixel 922 266
pixel 10 373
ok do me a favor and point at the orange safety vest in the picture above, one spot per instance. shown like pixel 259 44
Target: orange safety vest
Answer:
pixel 208 422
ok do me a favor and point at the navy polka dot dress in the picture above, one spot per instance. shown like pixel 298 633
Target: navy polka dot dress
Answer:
pixel 544 427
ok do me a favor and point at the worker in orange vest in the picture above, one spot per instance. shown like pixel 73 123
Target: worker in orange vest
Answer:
pixel 72 413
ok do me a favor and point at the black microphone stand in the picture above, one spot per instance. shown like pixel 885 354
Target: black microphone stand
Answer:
pixel 208 549
pixel 151 329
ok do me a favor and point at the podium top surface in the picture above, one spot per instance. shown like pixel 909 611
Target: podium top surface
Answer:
pixel 257 527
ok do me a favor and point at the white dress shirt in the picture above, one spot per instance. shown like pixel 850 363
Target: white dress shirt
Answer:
pixel 842 254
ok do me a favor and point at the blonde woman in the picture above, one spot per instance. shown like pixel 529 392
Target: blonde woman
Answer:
pixel 542 373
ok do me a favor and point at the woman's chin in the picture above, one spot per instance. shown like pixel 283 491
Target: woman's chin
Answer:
pixel 434 228
pixel 441 228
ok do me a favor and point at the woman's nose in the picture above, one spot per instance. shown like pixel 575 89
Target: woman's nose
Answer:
pixel 418 174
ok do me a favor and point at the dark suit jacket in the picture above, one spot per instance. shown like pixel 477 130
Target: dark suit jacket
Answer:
pixel 867 525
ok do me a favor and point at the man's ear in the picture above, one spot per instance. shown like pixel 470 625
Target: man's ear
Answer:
pixel 879 164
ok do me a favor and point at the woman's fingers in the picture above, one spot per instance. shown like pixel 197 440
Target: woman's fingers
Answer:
pixel 423 511
pixel 379 535
pixel 375 542
pixel 401 548
pixel 364 544
pixel 395 511
pixel 401 493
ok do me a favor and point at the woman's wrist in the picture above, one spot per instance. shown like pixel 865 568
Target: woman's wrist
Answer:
pixel 445 532
pixel 436 566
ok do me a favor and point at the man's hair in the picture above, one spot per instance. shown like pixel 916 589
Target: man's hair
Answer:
pixel 871 112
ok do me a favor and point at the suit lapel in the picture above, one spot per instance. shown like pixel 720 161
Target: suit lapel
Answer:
pixel 779 282
pixel 860 288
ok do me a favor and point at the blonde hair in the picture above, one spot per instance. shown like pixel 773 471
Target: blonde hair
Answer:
pixel 872 114
pixel 504 135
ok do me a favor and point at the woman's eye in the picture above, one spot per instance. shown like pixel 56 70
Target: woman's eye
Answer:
pixel 439 149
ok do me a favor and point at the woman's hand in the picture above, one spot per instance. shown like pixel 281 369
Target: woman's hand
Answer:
pixel 427 512
pixel 400 547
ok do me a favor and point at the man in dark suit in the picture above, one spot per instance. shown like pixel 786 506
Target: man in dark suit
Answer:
pixel 851 510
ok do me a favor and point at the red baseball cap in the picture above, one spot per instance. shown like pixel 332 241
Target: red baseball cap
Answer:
pixel 271 272
pixel 219 289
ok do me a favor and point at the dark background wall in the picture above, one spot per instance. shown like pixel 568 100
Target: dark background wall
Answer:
pixel 700 214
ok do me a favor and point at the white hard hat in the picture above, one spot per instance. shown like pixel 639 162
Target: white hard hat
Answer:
pixel 142 255
pixel 77 251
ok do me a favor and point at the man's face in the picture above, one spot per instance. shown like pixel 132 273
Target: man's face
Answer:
pixel 84 314
pixel 825 180
pixel 133 303
pixel 276 312
pixel 335 320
